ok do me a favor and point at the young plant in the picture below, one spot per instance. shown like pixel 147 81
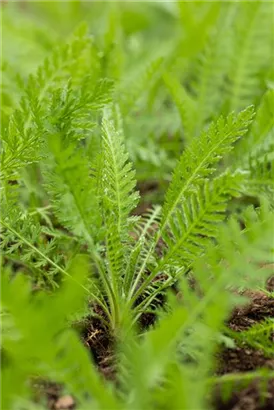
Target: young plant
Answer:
pixel 153 371
pixel 93 196
pixel 71 241
pixel 96 206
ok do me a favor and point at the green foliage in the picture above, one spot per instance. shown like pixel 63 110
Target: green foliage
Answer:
pixel 152 367
pixel 27 342
pixel 249 58
pixel 139 91
pixel 258 336
pixel 199 158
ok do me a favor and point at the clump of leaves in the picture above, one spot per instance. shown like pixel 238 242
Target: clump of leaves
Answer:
pixel 68 201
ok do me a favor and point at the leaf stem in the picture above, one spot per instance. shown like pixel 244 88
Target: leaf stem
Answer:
pixel 51 262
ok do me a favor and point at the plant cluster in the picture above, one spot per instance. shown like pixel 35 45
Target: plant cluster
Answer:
pixel 118 103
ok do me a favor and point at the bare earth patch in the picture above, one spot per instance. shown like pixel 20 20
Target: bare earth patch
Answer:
pixel 243 358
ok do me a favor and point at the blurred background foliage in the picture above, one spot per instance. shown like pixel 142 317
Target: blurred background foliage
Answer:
pixel 176 65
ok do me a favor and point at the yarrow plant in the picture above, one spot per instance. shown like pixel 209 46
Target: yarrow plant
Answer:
pixel 74 243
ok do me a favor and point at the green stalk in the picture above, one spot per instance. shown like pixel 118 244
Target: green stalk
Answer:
pixel 52 263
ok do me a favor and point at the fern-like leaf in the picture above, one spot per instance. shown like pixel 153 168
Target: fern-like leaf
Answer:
pixel 198 219
pixel 259 336
pixel 200 158
pixel 72 188
pixel 184 103
pixel 119 197
pixel 22 139
pixel 252 53
pixel 192 229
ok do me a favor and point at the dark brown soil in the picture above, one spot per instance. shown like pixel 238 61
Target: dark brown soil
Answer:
pixel 270 284
pixel 243 358
pixel 100 343
pixel 260 308
pixel 248 398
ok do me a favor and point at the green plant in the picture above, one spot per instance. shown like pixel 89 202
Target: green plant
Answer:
pixel 152 371
pixel 72 243
pixel 258 336
pixel 96 208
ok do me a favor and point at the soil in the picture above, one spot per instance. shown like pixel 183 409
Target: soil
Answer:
pixel 270 284
pixel 100 344
pixel 51 392
pixel 248 398
pixel 243 358
pixel 260 308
